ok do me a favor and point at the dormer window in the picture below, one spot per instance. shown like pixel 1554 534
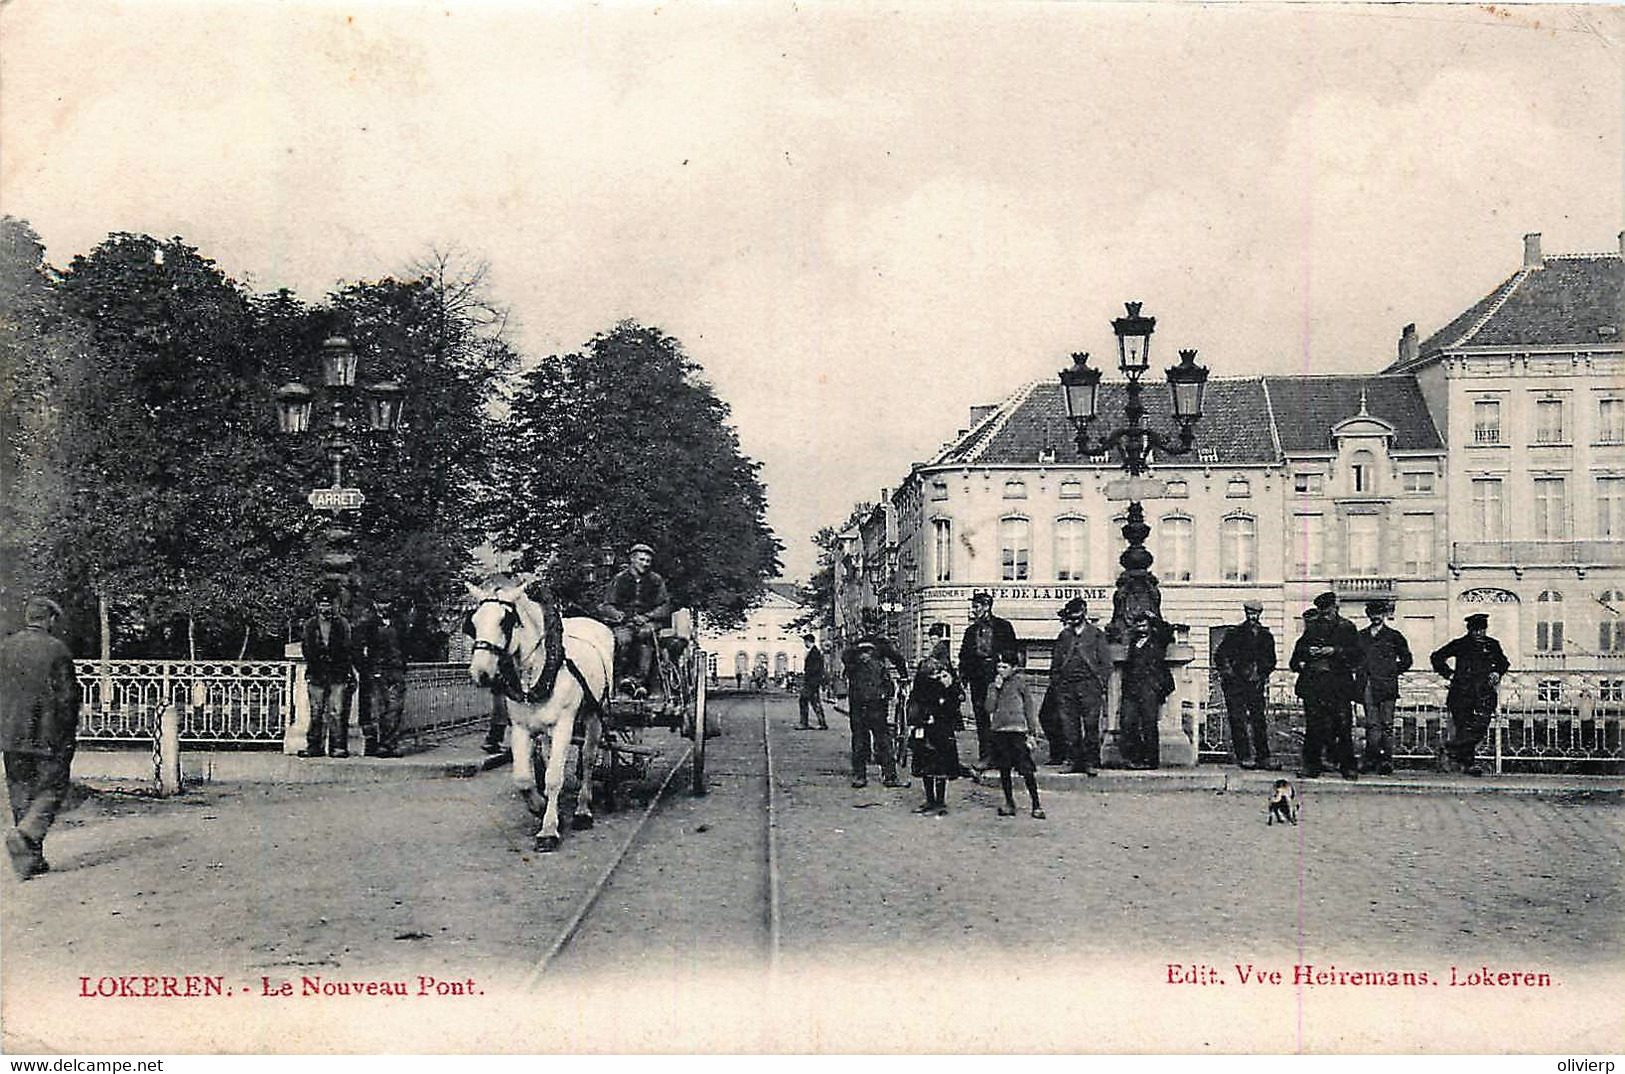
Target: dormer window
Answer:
pixel 1363 471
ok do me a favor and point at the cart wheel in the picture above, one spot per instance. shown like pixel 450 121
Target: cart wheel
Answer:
pixel 698 759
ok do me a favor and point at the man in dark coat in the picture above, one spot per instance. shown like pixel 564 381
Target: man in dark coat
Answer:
pixel 1080 668
pixel 811 700
pixel 869 691
pixel 1385 656
pixel 326 645
pixel 1479 665
pixel 39 717
pixel 636 605
pixel 1147 682
pixel 1325 657
pixel 987 641
pixel 1244 660
pixel 386 664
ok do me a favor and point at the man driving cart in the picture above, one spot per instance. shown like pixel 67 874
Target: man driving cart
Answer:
pixel 636 607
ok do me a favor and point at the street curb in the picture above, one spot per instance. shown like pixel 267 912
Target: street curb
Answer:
pixel 443 761
pixel 1164 781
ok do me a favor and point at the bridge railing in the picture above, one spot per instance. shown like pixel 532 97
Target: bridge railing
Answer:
pixel 249 703
pixel 1543 720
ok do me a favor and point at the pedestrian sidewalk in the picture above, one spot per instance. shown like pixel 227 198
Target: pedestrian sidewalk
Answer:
pixel 458 757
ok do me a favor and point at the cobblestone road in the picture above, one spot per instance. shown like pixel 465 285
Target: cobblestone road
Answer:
pixel 901 932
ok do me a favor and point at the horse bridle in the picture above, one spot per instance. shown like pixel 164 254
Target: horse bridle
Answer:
pixel 507 662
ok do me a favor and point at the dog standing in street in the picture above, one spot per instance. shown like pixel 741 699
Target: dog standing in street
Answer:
pixel 1283 804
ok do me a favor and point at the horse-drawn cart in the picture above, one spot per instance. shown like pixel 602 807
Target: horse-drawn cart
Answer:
pixel 675 700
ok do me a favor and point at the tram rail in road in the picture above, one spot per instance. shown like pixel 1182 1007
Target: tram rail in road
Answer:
pixel 580 922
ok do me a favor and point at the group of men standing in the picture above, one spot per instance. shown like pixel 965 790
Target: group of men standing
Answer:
pixel 338 657
pixel 1339 664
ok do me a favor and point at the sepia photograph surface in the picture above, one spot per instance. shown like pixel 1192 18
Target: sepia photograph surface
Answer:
pixel 815 529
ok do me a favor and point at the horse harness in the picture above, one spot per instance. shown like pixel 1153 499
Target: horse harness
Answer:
pixel 508 666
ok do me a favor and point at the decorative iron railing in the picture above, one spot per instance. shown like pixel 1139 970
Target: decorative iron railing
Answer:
pixel 248 703
pixel 223 701
pixel 1542 720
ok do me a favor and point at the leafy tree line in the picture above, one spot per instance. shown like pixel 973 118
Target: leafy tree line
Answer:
pixel 145 486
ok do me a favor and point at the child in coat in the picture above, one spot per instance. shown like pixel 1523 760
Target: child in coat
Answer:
pixel 1013 721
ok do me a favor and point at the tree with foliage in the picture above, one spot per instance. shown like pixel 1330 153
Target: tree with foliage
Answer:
pixel 624 442
pixel 43 360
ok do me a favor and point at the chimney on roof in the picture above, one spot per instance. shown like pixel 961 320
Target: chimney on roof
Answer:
pixel 1531 251
pixel 1408 343
pixel 977 413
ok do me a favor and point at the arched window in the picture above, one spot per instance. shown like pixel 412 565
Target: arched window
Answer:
pixel 1071 549
pixel 741 663
pixel 1549 622
pixel 781 664
pixel 1015 548
pixel 1611 625
pixel 1238 548
pixel 1363 469
pixel 1176 548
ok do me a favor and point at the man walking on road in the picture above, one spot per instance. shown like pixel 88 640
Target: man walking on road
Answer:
pixel 1079 671
pixel 1479 665
pixel 39 717
pixel 869 693
pixel 328 662
pixel 988 641
pixel 812 683
pixel 1244 660
pixel 1385 656
pixel 1325 657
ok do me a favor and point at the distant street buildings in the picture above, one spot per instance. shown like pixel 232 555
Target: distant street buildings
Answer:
pixel 1482 470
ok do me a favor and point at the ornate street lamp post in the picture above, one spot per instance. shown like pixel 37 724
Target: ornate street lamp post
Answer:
pixel 295 403
pixel 1135 443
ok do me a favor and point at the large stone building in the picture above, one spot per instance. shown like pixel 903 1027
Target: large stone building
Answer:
pixel 1484 469
pixel 1528 388
pixel 765 641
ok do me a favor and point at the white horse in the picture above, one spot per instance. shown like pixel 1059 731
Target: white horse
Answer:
pixel 508 631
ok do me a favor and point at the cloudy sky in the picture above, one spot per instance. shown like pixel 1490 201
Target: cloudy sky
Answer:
pixel 862 219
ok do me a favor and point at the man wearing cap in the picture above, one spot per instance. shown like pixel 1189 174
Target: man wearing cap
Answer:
pixel 635 606
pixel 326 645
pixel 812 683
pixel 1479 665
pixel 1325 657
pixel 39 717
pixel 386 681
pixel 1384 657
pixel 1244 660
pixel 869 691
pixel 988 641
pixel 1080 667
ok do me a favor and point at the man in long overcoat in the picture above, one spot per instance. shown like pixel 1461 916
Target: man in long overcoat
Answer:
pixel 1325 658
pixel 1385 656
pixel 39 719
pixel 988 641
pixel 1244 660
pixel 811 700
pixel 1080 668
pixel 386 650
pixel 1474 676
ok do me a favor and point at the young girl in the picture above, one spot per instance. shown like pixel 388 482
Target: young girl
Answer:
pixel 933 717
pixel 1014 724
